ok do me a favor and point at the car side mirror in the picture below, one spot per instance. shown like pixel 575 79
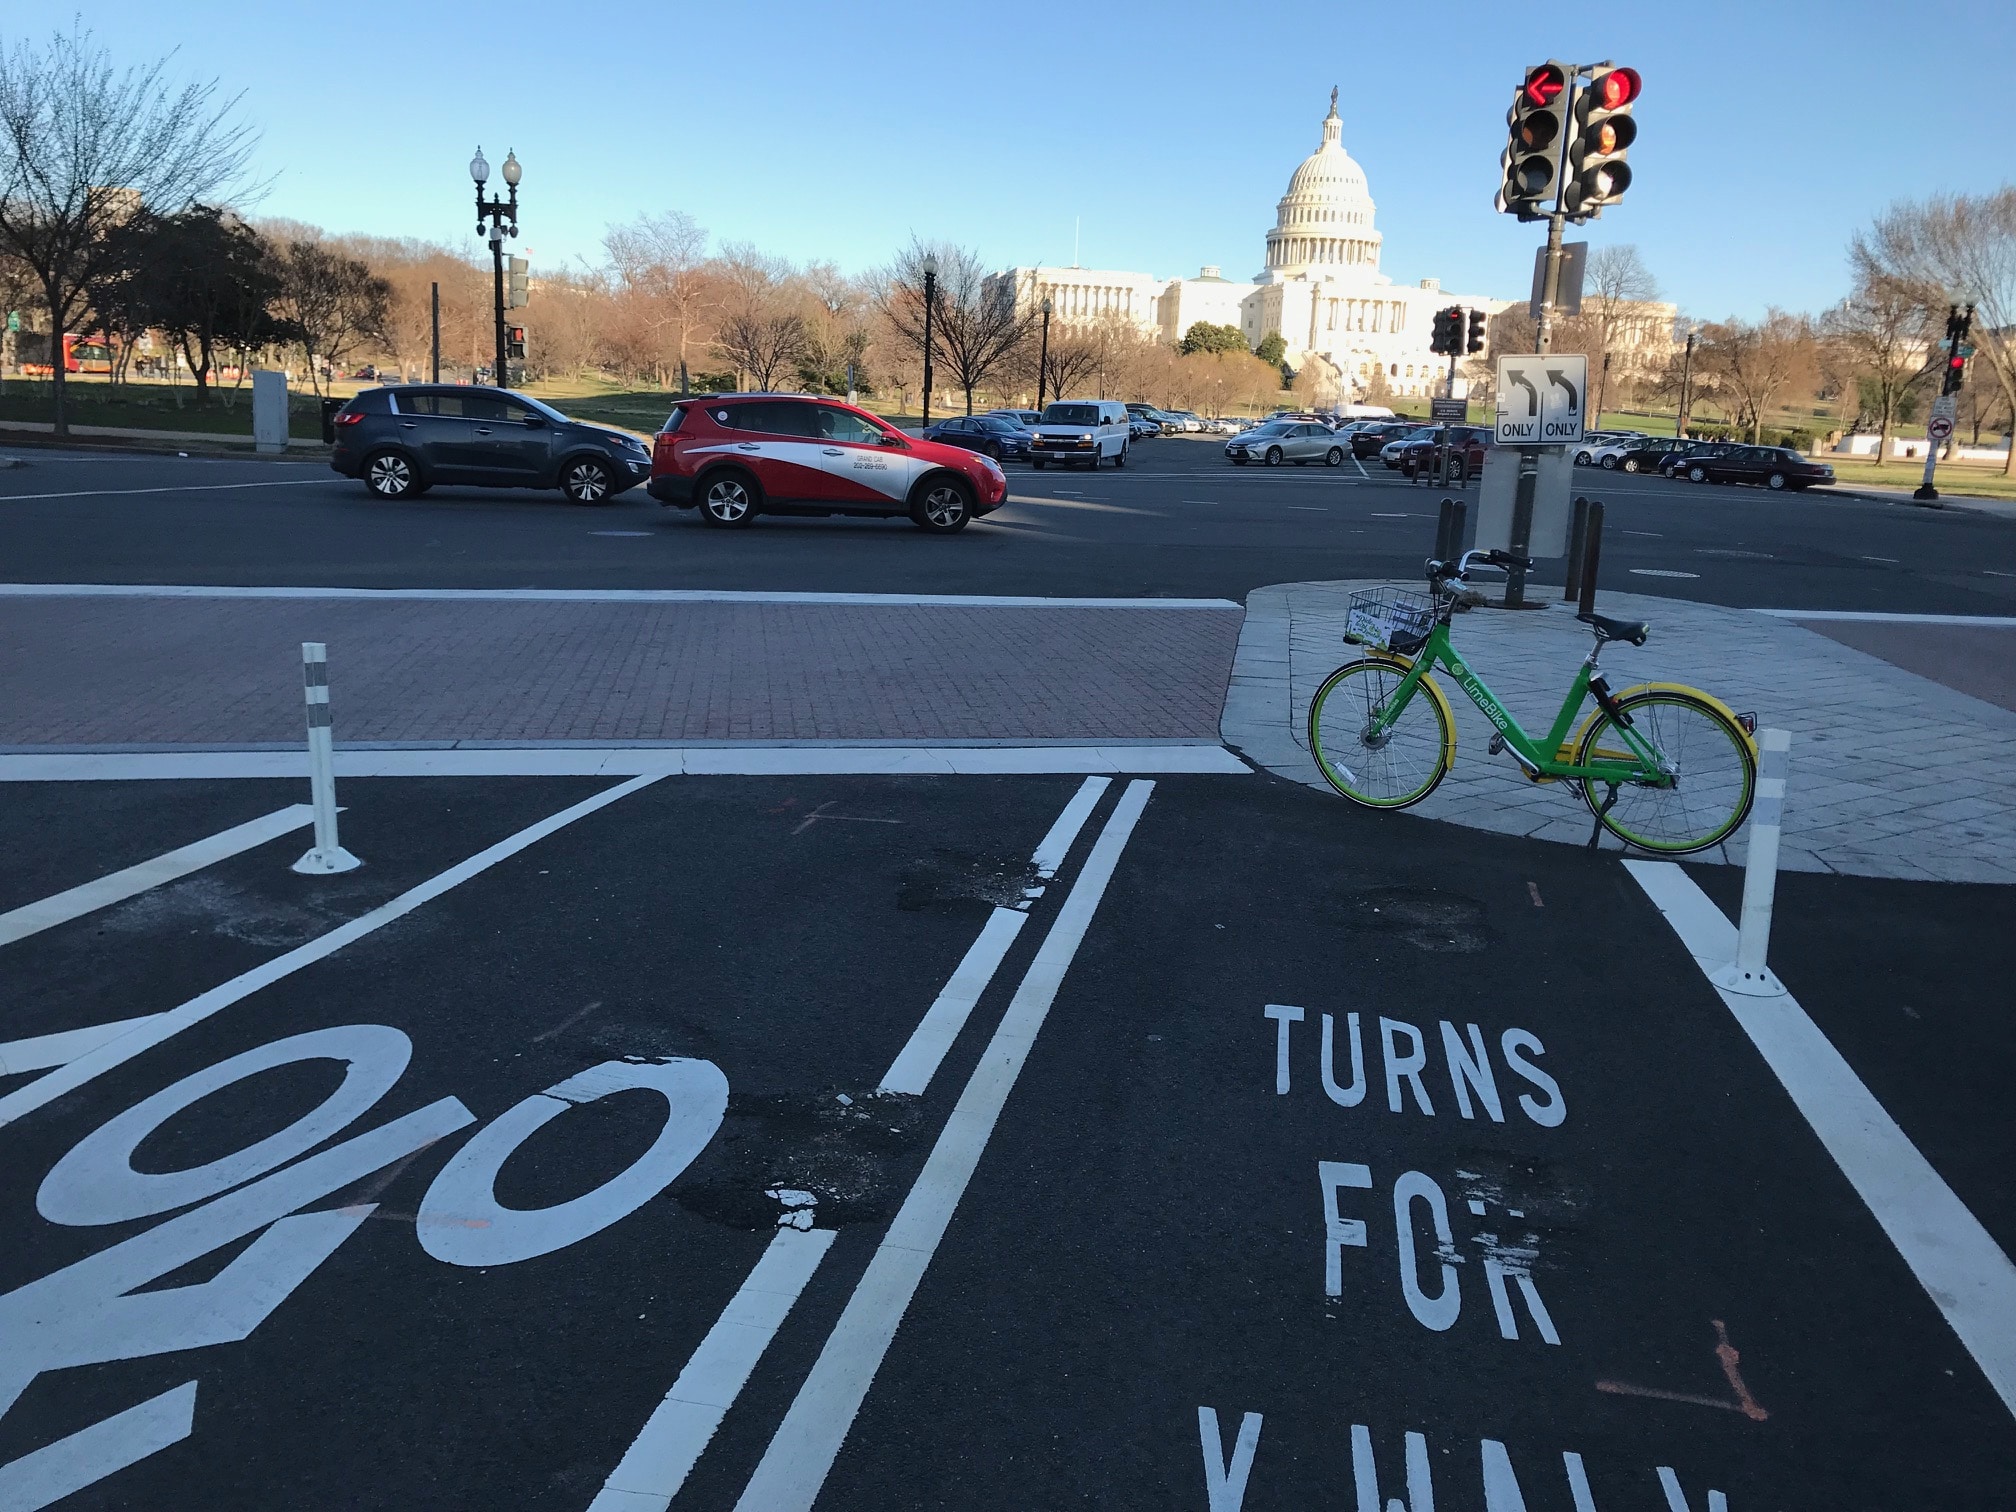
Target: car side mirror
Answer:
pixel 890 438
pixel 535 422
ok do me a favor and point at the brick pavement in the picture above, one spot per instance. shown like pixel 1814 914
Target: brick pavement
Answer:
pixel 1893 774
pixel 167 672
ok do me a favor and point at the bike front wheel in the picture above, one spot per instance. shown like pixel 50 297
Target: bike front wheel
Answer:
pixel 1710 773
pixel 1390 768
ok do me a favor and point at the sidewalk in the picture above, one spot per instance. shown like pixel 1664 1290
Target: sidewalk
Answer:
pixel 1893 774
pixel 30 433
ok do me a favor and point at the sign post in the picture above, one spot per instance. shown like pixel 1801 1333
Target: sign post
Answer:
pixel 1541 399
pixel 1937 431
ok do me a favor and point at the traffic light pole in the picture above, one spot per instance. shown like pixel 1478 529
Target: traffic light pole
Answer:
pixel 1529 464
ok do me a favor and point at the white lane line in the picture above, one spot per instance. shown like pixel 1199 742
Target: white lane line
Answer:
pixel 1963 1270
pixel 1361 469
pixel 597 595
pixel 87 897
pixel 1312 508
pixel 1654 534
pixel 41 1051
pixel 1871 617
pixel 102 493
pixel 672 1439
pixel 152 1030
pixel 44 1476
pixel 802 1451
pixel 929 1043
pixel 1891 560
pixel 630 761
pixel 1665 572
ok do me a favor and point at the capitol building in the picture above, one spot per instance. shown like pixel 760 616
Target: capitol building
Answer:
pixel 1321 288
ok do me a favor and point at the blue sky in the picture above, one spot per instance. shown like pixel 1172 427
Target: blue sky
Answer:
pixel 1168 129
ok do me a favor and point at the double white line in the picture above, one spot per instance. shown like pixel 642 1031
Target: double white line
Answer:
pixel 803 1449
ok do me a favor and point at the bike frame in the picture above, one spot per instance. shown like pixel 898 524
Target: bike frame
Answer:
pixel 1647 766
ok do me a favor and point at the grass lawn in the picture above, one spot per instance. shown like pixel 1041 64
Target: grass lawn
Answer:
pixel 148 406
pixel 1953 477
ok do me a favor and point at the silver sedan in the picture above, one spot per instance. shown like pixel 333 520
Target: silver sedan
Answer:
pixel 1297 441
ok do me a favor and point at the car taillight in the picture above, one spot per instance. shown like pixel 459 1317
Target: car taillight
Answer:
pixel 350 419
pixel 661 450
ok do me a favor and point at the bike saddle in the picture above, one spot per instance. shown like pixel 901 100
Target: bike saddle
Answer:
pixel 1608 629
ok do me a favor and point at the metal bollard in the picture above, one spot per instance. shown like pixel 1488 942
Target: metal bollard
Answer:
pixel 1748 974
pixel 327 856
pixel 1592 557
pixel 1578 538
pixel 1444 533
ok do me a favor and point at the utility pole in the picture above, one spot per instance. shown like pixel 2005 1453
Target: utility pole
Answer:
pixel 436 327
pixel 1686 381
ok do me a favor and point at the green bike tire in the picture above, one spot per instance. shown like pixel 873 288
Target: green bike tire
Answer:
pixel 1403 768
pixel 1717 774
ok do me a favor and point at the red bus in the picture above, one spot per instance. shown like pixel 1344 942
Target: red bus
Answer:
pixel 81 354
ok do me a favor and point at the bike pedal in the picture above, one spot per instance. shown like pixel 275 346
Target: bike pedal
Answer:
pixel 1497 746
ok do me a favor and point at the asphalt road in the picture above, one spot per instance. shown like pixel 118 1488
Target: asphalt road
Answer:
pixel 1177 522
pixel 1089 1217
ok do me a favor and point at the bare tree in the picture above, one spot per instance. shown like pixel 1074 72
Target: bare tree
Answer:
pixel 764 342
pixel 660 262
pixel 1962 248
pixel 974 329
pixel 1755 364
pixel 84 145
pixel 332 302
pixel 1617 287
pixel 1878 337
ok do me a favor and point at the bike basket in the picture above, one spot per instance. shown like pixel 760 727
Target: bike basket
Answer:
pixel 1380 616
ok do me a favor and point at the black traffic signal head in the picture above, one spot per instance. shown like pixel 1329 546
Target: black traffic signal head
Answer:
pixel 1448 332
pixel 1476 332
pixel 1537 123
pixel 514 341
pixel 1603 133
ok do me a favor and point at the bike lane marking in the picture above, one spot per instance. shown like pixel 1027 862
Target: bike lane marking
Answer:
pixel 1965 1273
pixel 795 1465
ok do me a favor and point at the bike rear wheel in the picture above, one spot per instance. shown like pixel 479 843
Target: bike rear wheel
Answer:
pixel 1390 769
pixel 1714 773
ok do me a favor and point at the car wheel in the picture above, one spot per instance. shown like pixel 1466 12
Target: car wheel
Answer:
pixel 1120 457
pixel 390 476
pixel 1581 459
pixel 1037 463
pixel 729 501
pixel 1273 458
pixel 1697 474
pixel 1609 464
pixel 1776 482
pixel 1334 457
pixel 1630 464
pixel 585 481
pixel 942 505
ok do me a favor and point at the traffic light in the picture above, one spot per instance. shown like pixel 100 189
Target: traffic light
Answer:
pixel 1447 337
pixel 514 283
pixel 1603 133
pixel 1958 324
pixel 1476 332
pixel 1530 166
pixel 514 341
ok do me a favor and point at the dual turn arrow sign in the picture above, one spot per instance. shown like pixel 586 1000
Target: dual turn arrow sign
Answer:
pixel 1540 399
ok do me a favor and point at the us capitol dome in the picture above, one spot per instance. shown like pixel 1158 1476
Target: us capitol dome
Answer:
pixel 1319 287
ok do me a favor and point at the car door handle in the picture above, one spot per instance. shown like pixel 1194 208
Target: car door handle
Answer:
pixel 482 430
pixel 747 446
pixel 834 451
pixel 409 425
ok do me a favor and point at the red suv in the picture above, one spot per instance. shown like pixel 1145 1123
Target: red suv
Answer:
pixel 735 456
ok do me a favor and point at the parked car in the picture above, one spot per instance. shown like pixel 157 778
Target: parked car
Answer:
pixel 1192 421
pixel 1369 439
pixel 1142 428
pixel 1025 418
pixel 402 439
pixel 1655 454
pixel 1468 441
pixel 1297 441
pixel 1003 440
pixel 1390 452
pixel 735 456
pixel 1775 467
pixel 1595 441
pixel 1088 431
pixel 1678 453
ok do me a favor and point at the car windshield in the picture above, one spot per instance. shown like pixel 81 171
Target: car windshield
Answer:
pixel 1071 414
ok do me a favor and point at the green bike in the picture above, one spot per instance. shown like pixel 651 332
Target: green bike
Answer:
pixel 1664 767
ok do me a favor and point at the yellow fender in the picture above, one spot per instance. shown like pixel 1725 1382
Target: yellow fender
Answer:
pixel 1566 753
pixel 1428 686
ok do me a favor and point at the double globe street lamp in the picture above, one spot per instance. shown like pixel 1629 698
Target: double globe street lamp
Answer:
pixel 1043 360
pixel 930 298
pixel 500 214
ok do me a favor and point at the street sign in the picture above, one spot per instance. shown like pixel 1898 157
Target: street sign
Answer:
pixel 1448 411
pixel 1553 488
pixel 1568 293
pixel 1939 427
pixel 1946 407
pixel 1540 399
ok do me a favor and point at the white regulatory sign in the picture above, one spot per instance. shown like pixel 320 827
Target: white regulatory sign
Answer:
pixel 1540 399
pixel 1939 427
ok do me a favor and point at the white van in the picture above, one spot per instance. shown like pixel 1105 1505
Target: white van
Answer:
pixel 1087 431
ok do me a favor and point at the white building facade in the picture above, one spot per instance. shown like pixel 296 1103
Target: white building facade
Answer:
pixel 1321 288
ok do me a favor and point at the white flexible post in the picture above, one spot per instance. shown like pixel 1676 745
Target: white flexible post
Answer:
pixel 1748 974
pixel 327 856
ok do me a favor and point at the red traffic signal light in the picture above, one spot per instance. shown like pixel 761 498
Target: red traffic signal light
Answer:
pixel 1617 88
pixel 1602 134
pixel 1544 85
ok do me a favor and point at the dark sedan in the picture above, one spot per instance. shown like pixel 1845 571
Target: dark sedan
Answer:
pixel 1666 457
pixel 402 440
pixel 1367 441
pixel 991 435
pixel 1775 467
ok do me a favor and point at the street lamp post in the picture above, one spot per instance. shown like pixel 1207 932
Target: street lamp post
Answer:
pixel 930 298
pixel 1043 361
pixel 1686 381
pixel 501 214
